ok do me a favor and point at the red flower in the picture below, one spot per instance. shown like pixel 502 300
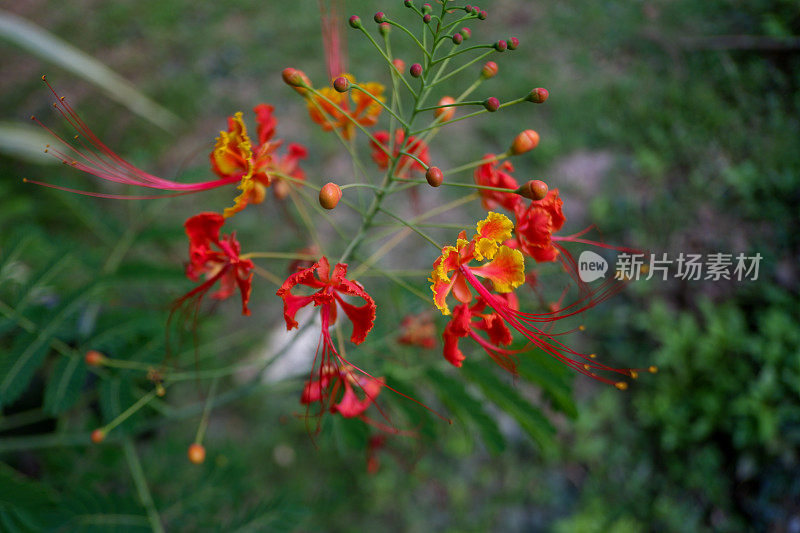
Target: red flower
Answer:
pixel 333 374
pixel 218 259
pixel 466 319
pixel 414 146
pixel 536 225
pixel 494 174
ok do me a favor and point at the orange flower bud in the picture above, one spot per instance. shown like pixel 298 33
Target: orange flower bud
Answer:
pixel 524 142
pixel 197 453
pixel 329 195
pixel 533 190
pixel 341 84
pixel 445 113
pixel 399 64
pixel 435 176
pixel 538 95
pixel 98 435
pixel 94 358
pixel 296 78
pixel 489 70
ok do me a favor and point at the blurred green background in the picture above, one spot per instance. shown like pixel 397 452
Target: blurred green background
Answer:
pixel 672 125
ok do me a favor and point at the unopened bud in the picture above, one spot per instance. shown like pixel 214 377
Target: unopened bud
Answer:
pixel 197 453
pixel 524 142
pixel 466 33
pixel 94 358
pixel 415 70
pixel 538 95
pixel 354 21
pixel 533 190
pixel 384 28
pixel 489 70
pixel 468 8
pixel 458 38
pixel 408 3
pixel 341 84
pixel 513 43
pixel 379 17
pixel 399 64
pixel 426 8
pixel 435 176
pixel 482 15
pixel 491 104
pixel 426 18
pixel 329 195
pixel 98 436
pixel 475 10
pixel 445 113
pixel 501 45
pixel 296 78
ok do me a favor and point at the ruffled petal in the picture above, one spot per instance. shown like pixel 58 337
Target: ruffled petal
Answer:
pixel 492 231
pixel 266 123
pixel 506 271
pixel 350 406
pixel 458 327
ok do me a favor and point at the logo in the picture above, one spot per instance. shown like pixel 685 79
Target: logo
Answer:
pixel 591 266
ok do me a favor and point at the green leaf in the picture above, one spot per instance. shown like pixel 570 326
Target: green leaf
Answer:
pixel 50 48
pixel 65 384
pixel 26 142
pixel 529 417
pixel 552 377
pixel 18 365
pixel 456 398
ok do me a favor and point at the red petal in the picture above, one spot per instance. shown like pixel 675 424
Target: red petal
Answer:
pixel 265 122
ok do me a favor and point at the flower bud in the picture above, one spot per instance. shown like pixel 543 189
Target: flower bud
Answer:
pixel 354 21
pixel 475 10
pixel 408 3
pixel 329 195
pixel 489 70
pixel 426 8
pixel 197 453
pixel 445 113
pixel 415 70
pixel 399 64
pixel 524 142
pixel 533 190
pixel 379 17
pixel 468 8
pixel 501 45
pixel 538 95
pixel 384 28
pixel 466 33
pixel 94 358
pixel 513 43
pixel 98 436
pixel 458 38
pixel 296 78
pixel 491 104
pixel 482 15
pixel 434 176
pixel 341 84
pixel 426 18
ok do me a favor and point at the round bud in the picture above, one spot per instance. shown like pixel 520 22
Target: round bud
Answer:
pixel 341 84
pixel 513 43
pixel 445 113
pixel 408 3
pixel 501 45
pixel 329 195
pixel 426 18
pixel 384 28
pixel 354 21
pixel 491 104
pixel 458 38
pixel 295 77
pixel 466 33
pixel 399 64
pixel 94 358
pixel 475 10
pixel 524 142
pixel 538 95
pixel 98 436
pixel 434 176
pixel 379 17
pixel 415 70
pixel 426 8
pixel 197 453
pixel 533 190
pixel 489 70
pixel 468 8
pixel 482 15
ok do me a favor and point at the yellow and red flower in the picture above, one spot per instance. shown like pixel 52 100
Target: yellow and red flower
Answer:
pixel 217 259
pixel 255 166
pixel 505 269
pixel 335 110
pixel 414 146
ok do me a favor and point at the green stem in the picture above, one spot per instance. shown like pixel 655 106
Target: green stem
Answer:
pixel 413 228
pixel 141 485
